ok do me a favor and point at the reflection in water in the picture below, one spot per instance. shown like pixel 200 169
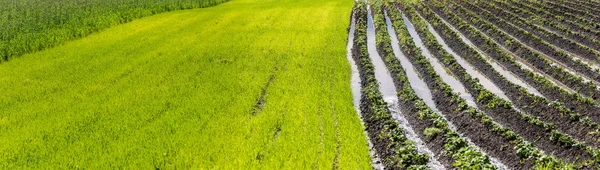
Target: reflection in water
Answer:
pixel 355 85
pixel 446 76
pixel 388 91
pixel 500 69
pixel 485 82
pixel 403 59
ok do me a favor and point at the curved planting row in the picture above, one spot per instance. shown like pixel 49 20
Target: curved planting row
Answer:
pixel 395 150
pixel 447 144
pixel 571 24
pixel 544 135
pixel 551 25
pixel 576 102
pixel 537 60
pixel 525 36
pixel 475 124
pixel 587 4
pixel 459 154
pixel 591 9
pixel 544 37
pixel 555 112
pixel 584 14
pixel 564 14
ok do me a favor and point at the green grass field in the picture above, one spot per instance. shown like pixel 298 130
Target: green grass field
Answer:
pixel 248 83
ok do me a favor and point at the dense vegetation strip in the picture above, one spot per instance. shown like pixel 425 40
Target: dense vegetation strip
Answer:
pixel 553 112
pixel 573 25
pixel 177 90
pixel 534 58
pixel 393 147
pixel 541 133
pixel 548 24
pixel 32 25
pixel 538 39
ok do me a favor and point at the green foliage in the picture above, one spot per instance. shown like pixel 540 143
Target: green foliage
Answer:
pixel 176 91
pixel 431 132
pixel 32 25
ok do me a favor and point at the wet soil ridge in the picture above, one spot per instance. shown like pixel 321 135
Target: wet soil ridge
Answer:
pixel 459 152
pixel 551 24
pixel 453 106
pixel 555 18
pixel 387 86
pixel 546 43
pixel 531 128
pixel 553 112
pixel 574 82
pixel 389 141
pixel 544 40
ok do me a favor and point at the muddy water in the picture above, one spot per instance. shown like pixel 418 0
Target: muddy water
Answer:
pixel 487 83
pixel 356 88
pixel 388 90
pixel 446 76
pixel 412 71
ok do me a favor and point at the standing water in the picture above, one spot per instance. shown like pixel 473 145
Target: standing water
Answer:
pixel 355 85
pixel 485 82
pixel 410 70
pixel 500 69
pixel 446 76
pixel 388 90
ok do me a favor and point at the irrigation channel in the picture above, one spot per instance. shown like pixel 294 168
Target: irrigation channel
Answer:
pixel 447 77
pixel 389 92
pixel 498 82
pixel 356 92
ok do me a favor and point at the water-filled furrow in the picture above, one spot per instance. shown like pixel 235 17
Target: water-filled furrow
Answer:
pixel 422 89
pixel 355 86
pixel 487 83
pixel 446 76
pixel 505 72
pixel 389 93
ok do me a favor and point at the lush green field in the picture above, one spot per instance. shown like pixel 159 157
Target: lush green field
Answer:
pixel 248 83
pixel 31 25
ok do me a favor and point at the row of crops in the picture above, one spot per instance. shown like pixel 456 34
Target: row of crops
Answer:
pixel 32 25
pixel 529 68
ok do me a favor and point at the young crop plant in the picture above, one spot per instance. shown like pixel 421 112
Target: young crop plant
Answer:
pixel 391 144
pixel 463 155
pixel 500 109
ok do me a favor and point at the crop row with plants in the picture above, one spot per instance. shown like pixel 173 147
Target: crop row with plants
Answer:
pixel 460 113
pixel 543 134
pixel 527 16
pixel 563 14
pixel 390 141
pixel 573 25
pixel 554 112
pixel 538 39
pixel 452 149
pixel 561 7
pixel 535 59
pixel 32 25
